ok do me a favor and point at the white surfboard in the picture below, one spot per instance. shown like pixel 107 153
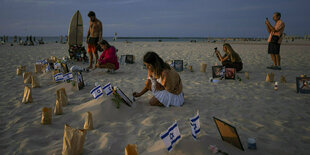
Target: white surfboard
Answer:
pixel 75 33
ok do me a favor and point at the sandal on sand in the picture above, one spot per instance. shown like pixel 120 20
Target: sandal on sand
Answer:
pixel 271 67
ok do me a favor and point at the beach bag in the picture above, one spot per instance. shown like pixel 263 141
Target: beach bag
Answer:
pixel 34 82
pixel 58 108
pixel 61 96
pixel 270 77
pixel 131 149
pixel 73 141
pixel 88 125
pixel 46 116
pixel 27 95
pixel 230 73
pixel 38 68
pixel 27 77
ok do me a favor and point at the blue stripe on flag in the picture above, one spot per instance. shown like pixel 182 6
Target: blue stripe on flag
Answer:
pixel 167 133
pixel 197 131
pixel 94 89
pixel 195 119
pixel 110 93
pixel 194 136
pixel 107 86
pixel 98 95
pixel 170 147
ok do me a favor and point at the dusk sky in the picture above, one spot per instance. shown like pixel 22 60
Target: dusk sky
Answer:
pixel 156 18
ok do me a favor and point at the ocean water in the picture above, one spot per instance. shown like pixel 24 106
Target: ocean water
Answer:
pixel 131 39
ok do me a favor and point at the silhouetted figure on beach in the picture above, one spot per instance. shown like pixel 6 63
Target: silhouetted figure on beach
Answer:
pixel 275 39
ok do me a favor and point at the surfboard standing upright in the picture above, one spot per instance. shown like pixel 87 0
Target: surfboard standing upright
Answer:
pixel 75 33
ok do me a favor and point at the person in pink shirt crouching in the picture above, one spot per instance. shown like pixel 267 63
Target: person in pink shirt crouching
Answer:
pixel 108 58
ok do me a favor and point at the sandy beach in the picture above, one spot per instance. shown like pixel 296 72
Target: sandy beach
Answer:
pixel 279 120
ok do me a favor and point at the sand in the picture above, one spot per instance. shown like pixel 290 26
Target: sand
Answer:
pixel 279 120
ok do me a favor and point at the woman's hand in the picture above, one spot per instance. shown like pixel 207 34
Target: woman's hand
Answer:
pixel 135 94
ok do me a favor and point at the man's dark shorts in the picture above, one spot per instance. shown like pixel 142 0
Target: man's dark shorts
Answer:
pixel 274 46
pixel 93 41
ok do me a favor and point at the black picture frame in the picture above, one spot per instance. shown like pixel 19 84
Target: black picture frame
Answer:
pixel 303 85
pixel 126 100
pixel 79 80
pixel 129 59
pixel 230 73
pixel 217 71
pixel 178 65
pixel 227 129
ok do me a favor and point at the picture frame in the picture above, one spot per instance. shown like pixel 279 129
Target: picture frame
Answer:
pixel 218 71
pixel 228 133
pixel 178 65
pixel 126 59
pixel 230 73
pixel 303 85
pixel 125 98
pixel 79 80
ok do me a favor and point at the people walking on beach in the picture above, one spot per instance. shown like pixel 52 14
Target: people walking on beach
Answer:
pixel 94 35
pixel 231 59
pixel 275 39
pixel 163 81
pixel 108 58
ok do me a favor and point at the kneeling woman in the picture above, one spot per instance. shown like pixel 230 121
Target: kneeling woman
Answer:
pixel 163 81
pixel 231 59
pixel 108 58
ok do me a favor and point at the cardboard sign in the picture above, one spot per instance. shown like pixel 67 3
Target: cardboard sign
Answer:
pixel 303 85
pixel 126 100
pixel 228 133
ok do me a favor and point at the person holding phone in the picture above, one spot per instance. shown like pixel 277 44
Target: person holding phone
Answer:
pixel 231 59
pixel 275 39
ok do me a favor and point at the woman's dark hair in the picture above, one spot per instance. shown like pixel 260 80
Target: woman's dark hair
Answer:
pixel 158 64
pixel 91 13
pixel 104 42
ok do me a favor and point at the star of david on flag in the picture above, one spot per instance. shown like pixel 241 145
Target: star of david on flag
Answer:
pixel 97 92
pixel 59 77
pixel 171 136
pixel 108 89
pixel 195 125
pixel 68 76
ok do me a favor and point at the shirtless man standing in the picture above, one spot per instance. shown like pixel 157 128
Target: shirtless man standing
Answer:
pixel 94 35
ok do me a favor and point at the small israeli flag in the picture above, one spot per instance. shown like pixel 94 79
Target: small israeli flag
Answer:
pixel 68 76
pixel 48 68
pixel 108 89
pixel 97 92
pixel 44 62
pixel 57 65
pixel 171 136
pixel 195 125
pixel 59 77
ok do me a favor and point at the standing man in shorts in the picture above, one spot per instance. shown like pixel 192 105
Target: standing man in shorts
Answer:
pixel 94 35
pixel 275 39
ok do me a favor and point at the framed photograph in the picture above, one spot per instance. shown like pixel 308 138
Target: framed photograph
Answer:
pixel 79 80
pixel 230 73
pixel 218 71
pixel 122 59
pixel 129 59
pixel 303 85
pixel 178 65
pixel 126 100
pixel 228 133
